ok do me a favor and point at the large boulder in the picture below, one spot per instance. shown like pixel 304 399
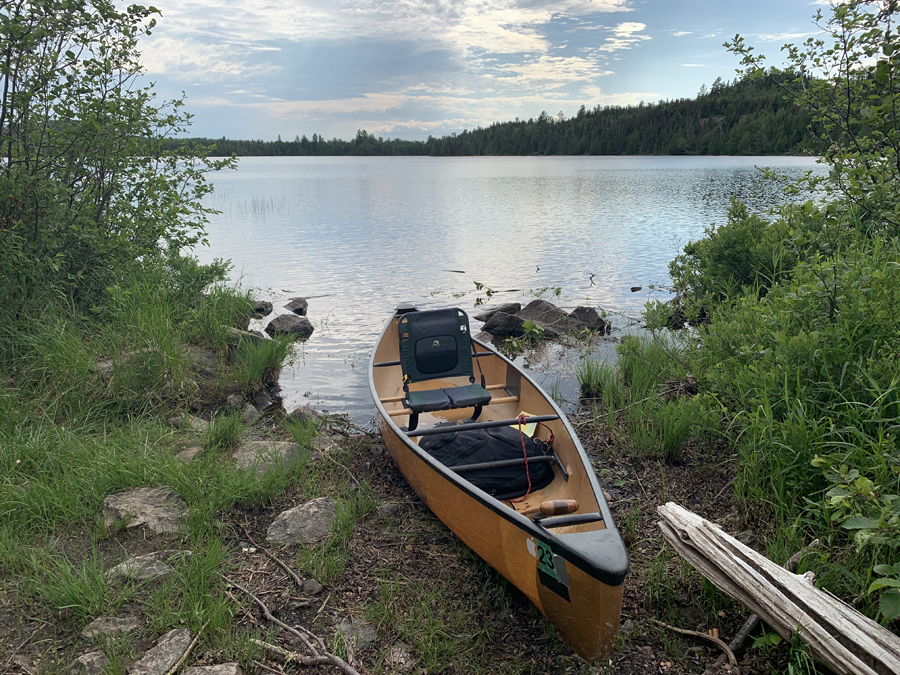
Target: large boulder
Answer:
pixel 503 325
pixel 583 317
pixel 508 308
pixel 297 306
pixel 298 327
pixel 158 509
pixel 307 523
pixel 546 315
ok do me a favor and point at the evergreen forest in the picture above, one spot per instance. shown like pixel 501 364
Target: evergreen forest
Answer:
pixel 744 117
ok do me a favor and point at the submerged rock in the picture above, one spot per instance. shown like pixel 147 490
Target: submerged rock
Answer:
pixel 297 327
pixel 297 306
pixel 307 523
pixel 508 308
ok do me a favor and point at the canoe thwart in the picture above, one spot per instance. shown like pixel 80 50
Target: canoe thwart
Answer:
pixel 407 411
pixel 501 463
pixel 395 399
pixel 565 521
pixel 452 429
pixel 385 364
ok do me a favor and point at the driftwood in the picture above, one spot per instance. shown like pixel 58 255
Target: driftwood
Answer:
pixel 838 635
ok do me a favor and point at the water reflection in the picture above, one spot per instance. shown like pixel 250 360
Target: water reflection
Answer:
pixel 359 235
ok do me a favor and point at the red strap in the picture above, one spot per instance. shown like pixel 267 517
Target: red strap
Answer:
pixel 521 420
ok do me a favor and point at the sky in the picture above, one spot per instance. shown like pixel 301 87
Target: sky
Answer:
pixel 413 68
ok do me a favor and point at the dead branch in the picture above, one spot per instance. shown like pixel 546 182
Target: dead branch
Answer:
pixel 305 636
pixel 292 657
pixel 705 636
pixel 283 565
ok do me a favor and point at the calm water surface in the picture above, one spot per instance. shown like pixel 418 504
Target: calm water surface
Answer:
pixel 358 235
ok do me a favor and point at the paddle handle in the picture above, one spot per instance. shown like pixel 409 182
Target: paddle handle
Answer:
pixel 554 507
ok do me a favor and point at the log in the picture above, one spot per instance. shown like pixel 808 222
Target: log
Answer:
pixel 838 636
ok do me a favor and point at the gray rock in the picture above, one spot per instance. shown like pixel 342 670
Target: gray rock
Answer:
pixel 221 669
pixel 546 315
pixel 508 308
pixel 250 414
pixel 236 335
pixel 261 309
pixel 504 325
pixel 160 659
pixel 92 663
pixel 298 327
pixel 104 626
pixel 312 587
pixel 389 510
pixel 358 632
pixel 107 367
pixel 307 523
pixel 297 306
pixel 191 422
pixel 263 401
pixel 189 455
pixel 144 567
pixel 585 317
pixel 158 509
pixel 306 414
pixel 322 445
pixel 399 658
pixel 235 401
pixel 260 457
pixel 202 360
pixel 635 289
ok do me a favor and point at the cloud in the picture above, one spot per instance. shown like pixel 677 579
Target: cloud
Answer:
pixel 624 36
pixel 682 33
pixel 785 37
pixel 692 65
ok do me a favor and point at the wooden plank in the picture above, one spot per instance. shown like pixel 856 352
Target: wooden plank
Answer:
pixel 838 635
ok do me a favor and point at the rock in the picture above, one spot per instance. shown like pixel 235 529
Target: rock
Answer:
pixel 221 669
pixel 158 509
pixel 297 306
pixel 357 632
pixel 626 627
pixel 235 401
pixel 107 367
pixel 144 567
pixel 92 663
pixel 261 309
pixel 191 422
pixel 399 658
pixel 307 523
pixel 585 317
pixel 189 455
pixel 104 626
pixel 202 360
pixel 322 445
pixel 260 457
pixel 389 510
pixel 236 335
pixel 160 659
pixel 250 414
pixel 262 401
pixel 306 414
pixel 504 325
pixel 635 289
pixel 508 308
pixel 312 587
pixel 295 326
pixel 546 315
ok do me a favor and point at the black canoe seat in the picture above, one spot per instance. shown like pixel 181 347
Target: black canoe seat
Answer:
pixel 436 344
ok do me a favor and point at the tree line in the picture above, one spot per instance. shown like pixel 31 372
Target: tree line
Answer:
pixel 743 117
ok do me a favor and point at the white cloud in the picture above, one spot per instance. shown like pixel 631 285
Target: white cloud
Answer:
pixel 691 65
pixel 625 36
pixel 682 33
pixel 785 37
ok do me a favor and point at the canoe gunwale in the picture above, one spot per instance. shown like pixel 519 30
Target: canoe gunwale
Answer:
pixel 557 542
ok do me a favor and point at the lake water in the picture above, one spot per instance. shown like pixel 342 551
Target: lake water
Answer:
pixel 358 235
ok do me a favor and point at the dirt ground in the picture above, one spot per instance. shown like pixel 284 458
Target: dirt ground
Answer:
pixel 420 588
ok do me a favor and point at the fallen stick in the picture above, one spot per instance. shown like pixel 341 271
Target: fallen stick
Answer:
pixel 727 653
pixel 283 565
pixel 293 657
pixel 334 660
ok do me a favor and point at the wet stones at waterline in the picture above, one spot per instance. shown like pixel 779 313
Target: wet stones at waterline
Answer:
pixel 297 327
pixel 508 308
pixel 297 306
pixel 550 319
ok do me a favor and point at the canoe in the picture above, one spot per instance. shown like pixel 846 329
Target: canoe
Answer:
pixel 572 567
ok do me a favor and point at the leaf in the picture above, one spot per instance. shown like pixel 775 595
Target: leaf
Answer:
pixel 889 604
pixel 860 523
pixel 887 582
pixel 882 71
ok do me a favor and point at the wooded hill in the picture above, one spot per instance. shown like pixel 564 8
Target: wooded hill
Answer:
pixel 741 118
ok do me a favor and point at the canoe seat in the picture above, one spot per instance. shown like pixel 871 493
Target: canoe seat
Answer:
pixel 436 344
